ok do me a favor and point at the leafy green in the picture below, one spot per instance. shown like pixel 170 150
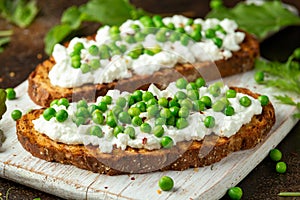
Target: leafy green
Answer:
pixel 4 38
pixel 19 12
pixel 259 20
pixel 113 12
pixel 285 76
pixel 2 102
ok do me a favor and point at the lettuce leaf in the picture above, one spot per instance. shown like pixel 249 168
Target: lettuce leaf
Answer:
pixel 259 20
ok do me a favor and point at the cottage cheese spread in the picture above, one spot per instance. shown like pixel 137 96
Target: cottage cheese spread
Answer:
pixel 226 126
pixel 123 66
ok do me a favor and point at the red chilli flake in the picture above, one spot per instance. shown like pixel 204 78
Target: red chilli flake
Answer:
pixel 144 140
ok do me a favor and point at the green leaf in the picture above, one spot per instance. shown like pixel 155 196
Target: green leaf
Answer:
pixel 297 115
pixel 56 35
pixel 286 100
pixel 259 20
pixel 19 12
pixel 112 12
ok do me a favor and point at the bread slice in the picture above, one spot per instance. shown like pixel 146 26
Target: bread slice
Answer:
pixel 182 156
pixel 42 92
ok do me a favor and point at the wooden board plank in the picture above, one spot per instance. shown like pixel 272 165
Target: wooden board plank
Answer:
pixel 73 183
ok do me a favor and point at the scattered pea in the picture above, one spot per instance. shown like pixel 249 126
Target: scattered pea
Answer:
pixel 259 76
pixel 49 113
pixel 166 183
pixel 209 122
pixel 275 154
pixel 61 115
pixel 235 193
pixel 264 100
pixel 166 142
pixel 281 167
pixel 245 101
pixel 10 93
pixel 16 114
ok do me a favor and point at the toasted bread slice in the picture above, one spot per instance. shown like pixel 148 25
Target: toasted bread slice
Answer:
pixel 42 92
pixel 182 156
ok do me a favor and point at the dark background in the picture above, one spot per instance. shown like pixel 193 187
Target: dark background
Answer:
pixel 25 51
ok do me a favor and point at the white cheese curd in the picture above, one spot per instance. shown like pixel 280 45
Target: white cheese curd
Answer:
pixel 225 126
pixel 118 67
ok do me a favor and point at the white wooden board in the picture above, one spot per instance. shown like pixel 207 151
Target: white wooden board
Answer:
pixel 70 182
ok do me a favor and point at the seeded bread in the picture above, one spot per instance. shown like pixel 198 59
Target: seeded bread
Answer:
pixel 182 156
pixel 42 92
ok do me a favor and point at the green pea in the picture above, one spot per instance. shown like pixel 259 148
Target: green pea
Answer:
pixel 161 35
pixel 147 96
pixel 63 102
pixel 16 114
pixel 102 106
pixel 123 48
pixel 173 102
pixel 114 30
pixel 104 51
pixel 95 64
pixel 79 121
pixel 166 142
pixel 218 42
pixel 214 90
pixel 133 55
pixel 130 100
pixel 54 102
pixel 76 61
pixel 210 33
pixel 78 46
pixel 209 122
pixel 193 94
pixel 281 167
pixel 156 49
pixel 10 93
pixel 200 82
pixel 93 50
pixel 171 26
pixel 160 121
pixel 136 121
pixel 129 39
pixel 158 131
pixel 135 27
pixel 118 129
pixel 175 36
pixel 157 20
pixel 245 101
pixel 230 93
pixel 229 111
pixel 124 117
pixel 171 121
pixel 82 103
pixel 145 127
pixel 82 112
pixel 137 95
pixel 147 21
pixel 220 29
pixel 61 115
pixel 190 22
pixel 206 100
pixel 116 110
pixel 111 121
pixel 198 105
pixel 184 39
pixel 181 83
pixel 183 112
pixel 275 154
pixel 174 110
pixel 115 36
pixel 96 131
pixel 218 106
pixel 186 103
pixel 85 68
pixel 141 105
pixel 181 123
pixel 130 131
pixel 49 113
pixel 259 76
pixel 121 101
pixel 180 30
pixel 235 193
pixel 107 99
pixel 152 110
pixel 148 52
pixel 98 117
pixel 180 95
pixel 196 35
pixel 264 100
pixel 163 101
pixel 134 111
pixel 197 27
pixel 191 86
pixel 92 108
pixel 165 113
pixel 166 183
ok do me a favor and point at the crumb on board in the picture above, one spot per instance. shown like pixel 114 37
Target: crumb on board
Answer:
pixel 1 79
pixel 39 56
pixel 196 169
pixel 12 74
pixel 158 191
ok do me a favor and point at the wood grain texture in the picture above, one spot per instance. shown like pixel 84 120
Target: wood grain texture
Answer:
pixel 72 183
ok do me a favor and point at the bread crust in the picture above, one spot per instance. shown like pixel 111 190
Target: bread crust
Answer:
pixel 42 92
pixel 182 156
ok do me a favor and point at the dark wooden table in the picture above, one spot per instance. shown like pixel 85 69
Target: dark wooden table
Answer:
pixel 26 50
